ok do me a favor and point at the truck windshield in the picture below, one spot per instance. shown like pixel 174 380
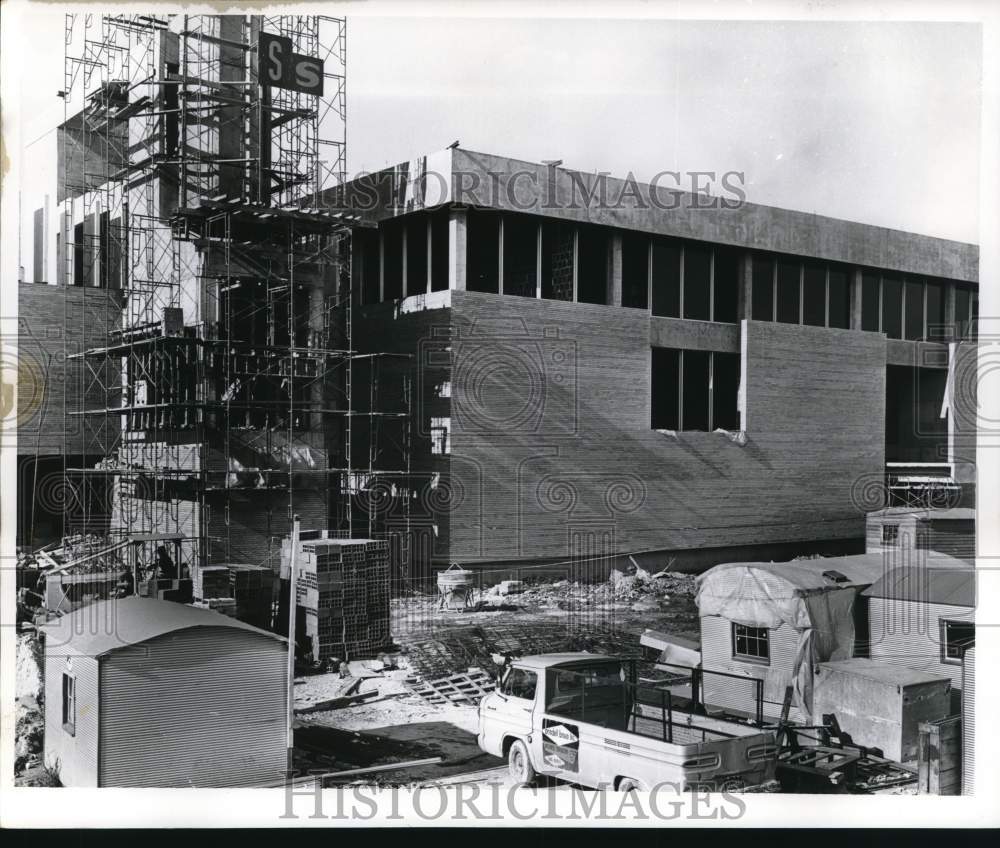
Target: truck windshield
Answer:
pixel 520 683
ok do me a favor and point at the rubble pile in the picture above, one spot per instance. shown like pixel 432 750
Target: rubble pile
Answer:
pixel 30 720
pixel 639 591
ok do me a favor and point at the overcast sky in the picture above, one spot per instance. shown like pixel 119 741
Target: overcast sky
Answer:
pixel 871 122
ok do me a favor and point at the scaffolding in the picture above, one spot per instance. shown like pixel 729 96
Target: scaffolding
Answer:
pixel 225 396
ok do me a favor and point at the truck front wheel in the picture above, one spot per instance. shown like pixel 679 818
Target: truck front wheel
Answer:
pixel 519 764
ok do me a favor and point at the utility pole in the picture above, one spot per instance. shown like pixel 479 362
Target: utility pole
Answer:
pixel 292 591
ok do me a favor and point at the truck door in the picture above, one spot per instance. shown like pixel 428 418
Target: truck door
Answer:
pixel 511 709
pixel 556 745
pixel 579 702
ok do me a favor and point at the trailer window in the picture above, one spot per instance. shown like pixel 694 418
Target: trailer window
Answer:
pixel 520 683
pixel 956 637
pixel 751 643
pixel 69 704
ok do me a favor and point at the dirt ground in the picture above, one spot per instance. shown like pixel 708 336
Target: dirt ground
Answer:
pixel 543 617
pixel 370 717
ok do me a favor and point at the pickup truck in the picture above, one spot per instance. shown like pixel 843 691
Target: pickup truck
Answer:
pixel 584 719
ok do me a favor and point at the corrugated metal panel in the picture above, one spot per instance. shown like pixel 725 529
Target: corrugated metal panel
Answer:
pixel 908 633
pixel 717 655
pixel 955 538
pixel 75 756
pixel 969 722
pixel 202 707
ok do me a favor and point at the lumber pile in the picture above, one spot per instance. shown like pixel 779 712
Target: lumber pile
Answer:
pixel 462 689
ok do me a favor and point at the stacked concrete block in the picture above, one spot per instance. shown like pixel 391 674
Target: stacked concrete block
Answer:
pixel 249 588
pixel 342 591
pixel 210 581
pixel 226 606
pixel 252 587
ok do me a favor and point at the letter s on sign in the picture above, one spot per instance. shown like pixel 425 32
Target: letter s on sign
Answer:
pixel 274 69
pixel 307 74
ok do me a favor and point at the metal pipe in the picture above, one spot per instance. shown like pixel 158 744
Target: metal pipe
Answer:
pixel 292 589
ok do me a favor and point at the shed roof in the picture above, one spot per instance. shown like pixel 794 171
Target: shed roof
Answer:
pixel 930 585
pixel 957 513
pixel 807 574
pixel 882 672
pixel 106 626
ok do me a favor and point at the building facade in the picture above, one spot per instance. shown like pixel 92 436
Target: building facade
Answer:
pixel 654 374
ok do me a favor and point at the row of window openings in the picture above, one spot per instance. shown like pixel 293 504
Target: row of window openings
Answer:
pixel 752 644
pixel 908 308
pixel 560 261
pixel 407 257
pixel 901 307
pixel 97 257
pixel 552 260
pixel 694 390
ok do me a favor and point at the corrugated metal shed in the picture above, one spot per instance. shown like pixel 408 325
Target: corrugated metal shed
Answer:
pixel 168 696
pixel 196 707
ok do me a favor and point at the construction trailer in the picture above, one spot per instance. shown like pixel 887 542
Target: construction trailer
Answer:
pixel 922 616
pixel 773 622
pixel 214 714
pixel 904 533
pixel 214 386
pixel 808 642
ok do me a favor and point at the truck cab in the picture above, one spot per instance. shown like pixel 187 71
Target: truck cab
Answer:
pixel 585 719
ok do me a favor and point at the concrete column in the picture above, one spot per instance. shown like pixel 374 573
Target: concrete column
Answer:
pixel 45 242
pixel 381 265
pixel 949 310
pixel 856 299
pixel 576 262
pixel 90 249
pixel 538 264
pixel 61 251
pixel 430 255
pixel 500 253
pixel 405 284
pixel 357 270
pixel 649 277
pixel 615 270
pixel 744 294
pixel 317 314
pixel 457 234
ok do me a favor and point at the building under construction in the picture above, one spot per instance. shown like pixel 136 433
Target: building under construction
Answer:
pixel 206 386
pixel 598 376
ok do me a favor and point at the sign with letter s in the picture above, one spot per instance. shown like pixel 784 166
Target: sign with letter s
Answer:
pixel 279 66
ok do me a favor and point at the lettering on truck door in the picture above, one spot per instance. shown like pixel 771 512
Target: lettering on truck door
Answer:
pixel 580 701
pixel 561 745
